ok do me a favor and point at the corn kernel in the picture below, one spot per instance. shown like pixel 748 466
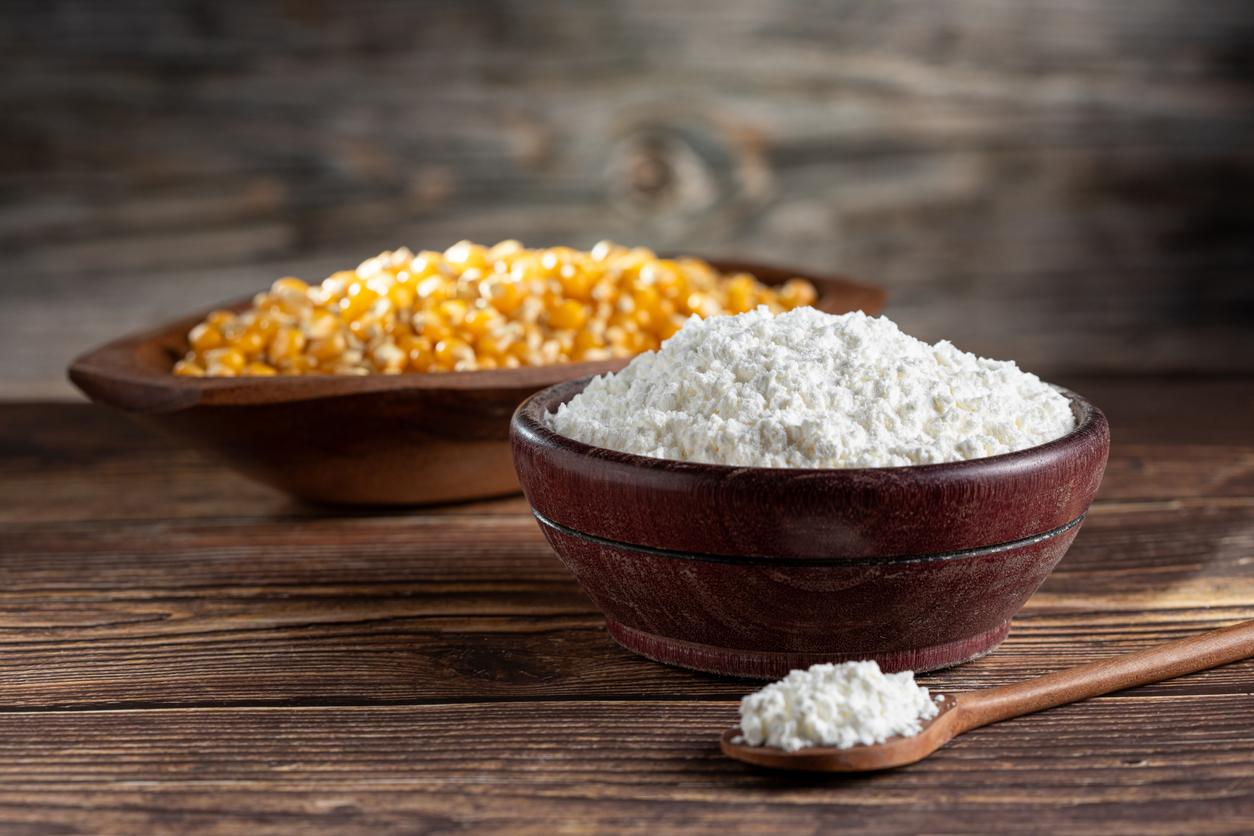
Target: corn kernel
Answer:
pixel 225 358
pixel 797 293
pixel 328 348
pixel 451 351
pixel 359 299
pixel 568 315
pixel 286 346
pixel 464 255
pixel 204 337
pixel 220 319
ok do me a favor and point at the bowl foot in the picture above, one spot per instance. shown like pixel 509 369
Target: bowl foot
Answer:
pixel 765 664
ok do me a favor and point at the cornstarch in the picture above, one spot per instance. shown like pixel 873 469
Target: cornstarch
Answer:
pixel 852 704
pixel 810 389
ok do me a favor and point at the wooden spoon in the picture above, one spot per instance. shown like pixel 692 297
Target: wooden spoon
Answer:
pixel 980 708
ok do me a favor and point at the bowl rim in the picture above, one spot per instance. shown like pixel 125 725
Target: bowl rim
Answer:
pixel 1089 421
pixel 130 372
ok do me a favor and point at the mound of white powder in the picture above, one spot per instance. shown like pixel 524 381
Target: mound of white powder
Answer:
pixel 853 704
pixel 809 389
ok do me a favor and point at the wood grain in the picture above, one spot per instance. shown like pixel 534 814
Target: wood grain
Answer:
pixel 181 650
pixel 621 766
pixel 1059 183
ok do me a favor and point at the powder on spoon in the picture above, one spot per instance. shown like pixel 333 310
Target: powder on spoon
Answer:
pixel 851 704
pixel 809 389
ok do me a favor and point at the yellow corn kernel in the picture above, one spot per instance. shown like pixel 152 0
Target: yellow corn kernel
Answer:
pixel 504 294
pixel 220 319
pixel 328 348
pixel 401 295
pixel 741 293
pixel 187 368
pixel 286 346
pixel 451 351
pixel 225 358
pixel 504 249
pixel 289 285
pixel 464 255
pixel 300 364
pixel 431 326
pixel 259 370
pixel 453 311
pixel 492 344
pixel 369 328
pixel 586 341
pixel 667 327
pixel 603 250
pixel 479 320
pixel 568 315
pixel 389 358
pixel 357 300
pixel 797 293
pixel 204 337
pixel 266 326
pixel 250 342
pixel 421 354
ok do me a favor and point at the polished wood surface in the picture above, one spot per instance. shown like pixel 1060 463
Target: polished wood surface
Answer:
pixel 184 649
pixel 960 713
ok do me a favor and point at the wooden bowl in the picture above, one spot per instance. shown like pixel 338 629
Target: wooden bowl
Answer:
pixel 374 439
pixel 754 572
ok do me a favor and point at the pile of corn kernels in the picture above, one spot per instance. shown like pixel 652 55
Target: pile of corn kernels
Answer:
pixel 474 307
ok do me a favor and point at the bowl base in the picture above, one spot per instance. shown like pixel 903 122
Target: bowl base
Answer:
pixel 765 664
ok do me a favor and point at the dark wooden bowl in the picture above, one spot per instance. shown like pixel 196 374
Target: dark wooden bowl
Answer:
pixel 756 571
pixel 375 439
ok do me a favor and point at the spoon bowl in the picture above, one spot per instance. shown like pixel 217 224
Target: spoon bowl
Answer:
pixel 896 751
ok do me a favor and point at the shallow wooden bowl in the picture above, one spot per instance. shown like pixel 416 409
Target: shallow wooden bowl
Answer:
pixel 375 439
pixel 756 571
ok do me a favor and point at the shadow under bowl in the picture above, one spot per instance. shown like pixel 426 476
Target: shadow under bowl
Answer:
pixel 754 572
pixel 363 440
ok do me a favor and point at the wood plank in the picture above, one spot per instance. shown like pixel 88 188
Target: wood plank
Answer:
pixel 620 766
pixel 388 609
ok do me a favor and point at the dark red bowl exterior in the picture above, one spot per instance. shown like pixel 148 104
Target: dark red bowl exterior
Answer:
pixel 756 571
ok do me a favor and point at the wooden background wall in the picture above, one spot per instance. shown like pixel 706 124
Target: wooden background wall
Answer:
pixel 1069 183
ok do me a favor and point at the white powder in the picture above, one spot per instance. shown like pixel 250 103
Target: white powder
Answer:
pixel 809 389
pixel 853 704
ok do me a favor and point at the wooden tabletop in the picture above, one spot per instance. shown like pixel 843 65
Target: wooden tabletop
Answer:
pixel 182 650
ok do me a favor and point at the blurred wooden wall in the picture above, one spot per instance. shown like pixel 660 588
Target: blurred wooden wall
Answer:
pixel 1063 182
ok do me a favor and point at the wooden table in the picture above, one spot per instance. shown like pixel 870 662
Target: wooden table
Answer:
pixel 181 650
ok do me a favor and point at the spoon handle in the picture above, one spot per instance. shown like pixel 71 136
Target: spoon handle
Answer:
pixel 1209 650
